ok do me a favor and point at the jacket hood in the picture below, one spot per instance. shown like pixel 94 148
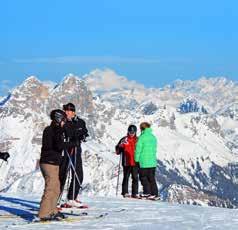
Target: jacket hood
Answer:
pixel 147 130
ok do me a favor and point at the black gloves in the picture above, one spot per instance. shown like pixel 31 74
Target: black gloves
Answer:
pixel 4 155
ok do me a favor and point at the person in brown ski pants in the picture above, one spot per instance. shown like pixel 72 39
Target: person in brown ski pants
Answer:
pixel 51 155
pixel 51 192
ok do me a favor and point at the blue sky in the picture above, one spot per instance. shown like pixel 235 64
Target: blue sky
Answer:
pixel 153 42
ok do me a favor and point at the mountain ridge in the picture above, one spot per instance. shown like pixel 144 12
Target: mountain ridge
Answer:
pixel 196 151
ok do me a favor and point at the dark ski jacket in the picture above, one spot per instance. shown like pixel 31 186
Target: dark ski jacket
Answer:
pixel 126 146
pixel 75 129
pixel 53 145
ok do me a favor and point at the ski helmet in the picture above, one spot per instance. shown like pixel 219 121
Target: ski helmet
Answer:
pixel 58 116
pixel 69 107
pixel 132 129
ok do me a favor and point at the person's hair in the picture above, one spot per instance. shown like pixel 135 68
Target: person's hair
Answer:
pixel 69 107
pixel 144 125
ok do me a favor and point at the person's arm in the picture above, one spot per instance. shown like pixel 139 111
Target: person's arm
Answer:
pixel 47 142
pixel 123 143
pixel 85 131
pixel 61 143
pixel 119 148
pixel 156 144
pixel 139 145
pixel 68 145
pixel 80 129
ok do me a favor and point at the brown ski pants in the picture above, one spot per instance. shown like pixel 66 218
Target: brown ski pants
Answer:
pixel 51 194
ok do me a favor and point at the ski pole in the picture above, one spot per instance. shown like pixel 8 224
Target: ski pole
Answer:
pixel 67 176
pixel 72 165
pixel 119 168
pixel 75 161
pixel 1 165
pixel 68 182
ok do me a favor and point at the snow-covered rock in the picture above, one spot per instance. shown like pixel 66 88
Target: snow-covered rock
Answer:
pixel 197 152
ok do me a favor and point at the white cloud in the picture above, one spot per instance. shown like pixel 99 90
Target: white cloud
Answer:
pixel 5 82
pixel 108 80
pixel 89 59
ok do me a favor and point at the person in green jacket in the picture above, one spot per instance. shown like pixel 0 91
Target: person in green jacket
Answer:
pixel 145 156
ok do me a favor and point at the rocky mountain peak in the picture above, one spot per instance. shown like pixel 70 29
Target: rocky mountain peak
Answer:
pixel 72 89
pixel 70 80
pixel 31 80
pixel 31 95
pixel 31 87
pixel 194 159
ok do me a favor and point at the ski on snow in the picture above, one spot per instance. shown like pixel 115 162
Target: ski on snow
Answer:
pixel 66 220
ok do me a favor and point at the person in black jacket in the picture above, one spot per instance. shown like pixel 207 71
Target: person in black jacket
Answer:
pixel 75 129
pixel 51 155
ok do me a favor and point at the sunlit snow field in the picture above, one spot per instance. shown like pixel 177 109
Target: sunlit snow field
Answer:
pixel 118 213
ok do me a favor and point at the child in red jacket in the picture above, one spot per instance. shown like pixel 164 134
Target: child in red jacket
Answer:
pixel 126 147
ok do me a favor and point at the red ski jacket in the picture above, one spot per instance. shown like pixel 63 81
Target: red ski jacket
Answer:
pixel 128 145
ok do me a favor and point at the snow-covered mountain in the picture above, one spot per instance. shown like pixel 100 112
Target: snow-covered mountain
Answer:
pixel 197 150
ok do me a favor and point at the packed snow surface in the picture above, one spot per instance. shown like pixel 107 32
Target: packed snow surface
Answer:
pixel 118 213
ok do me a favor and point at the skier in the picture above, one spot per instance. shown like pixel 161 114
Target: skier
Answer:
pixel 75 129
pixel 145 155
pixel 51 155
pixel 126 147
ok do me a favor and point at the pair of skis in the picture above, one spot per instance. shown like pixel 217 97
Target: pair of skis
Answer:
pixel 144 198
pixel 74 217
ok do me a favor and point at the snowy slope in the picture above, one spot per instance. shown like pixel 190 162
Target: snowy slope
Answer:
pixel 197 152
pixel 119 213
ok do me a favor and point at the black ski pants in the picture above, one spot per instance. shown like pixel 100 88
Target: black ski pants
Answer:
pixel 147 179
pixel 127 171
pixel 64 170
